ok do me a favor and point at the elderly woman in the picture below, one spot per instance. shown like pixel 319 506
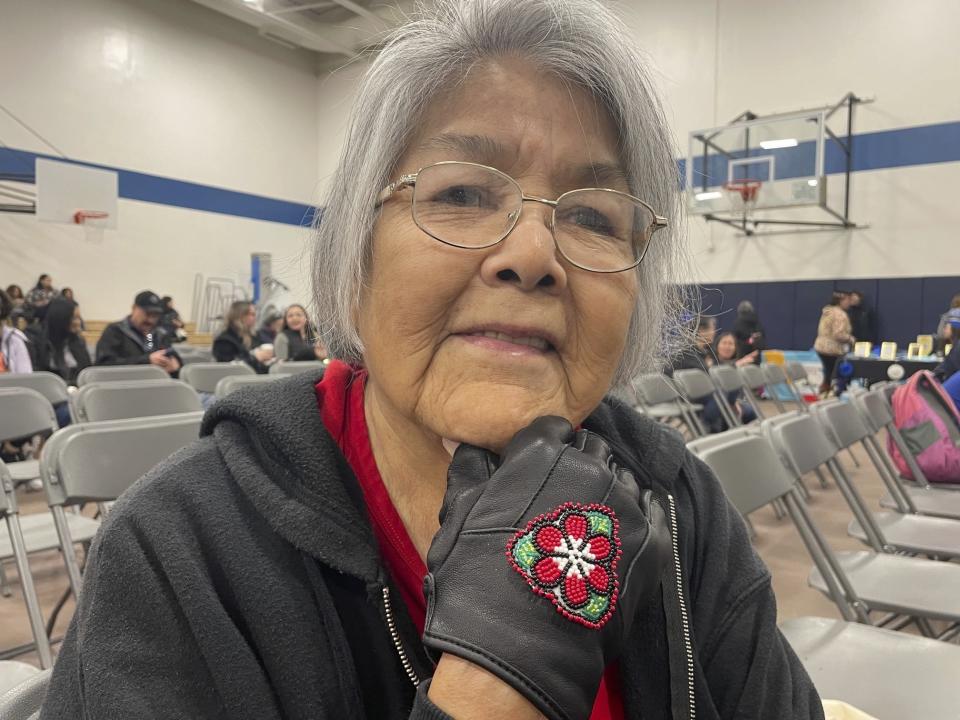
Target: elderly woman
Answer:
pixel 496 251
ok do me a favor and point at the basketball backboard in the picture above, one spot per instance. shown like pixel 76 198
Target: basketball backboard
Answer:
pixel 66 189
pixel 784 154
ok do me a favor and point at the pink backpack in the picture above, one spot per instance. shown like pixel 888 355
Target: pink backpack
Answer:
pixel 926 417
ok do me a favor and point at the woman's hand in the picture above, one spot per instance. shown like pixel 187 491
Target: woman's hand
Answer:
pixel 263 354
pixel 542 559
pixel 747 359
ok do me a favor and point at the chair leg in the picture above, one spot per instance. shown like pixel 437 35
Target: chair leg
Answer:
pixel 29 592
pixel 823 478
pixel 778 509
pixel 4 583
pixel 853 457
pixel 66 547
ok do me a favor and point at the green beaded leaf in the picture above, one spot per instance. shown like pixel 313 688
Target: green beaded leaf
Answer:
pixel 600 524
pixel 596 607
pixel 525 553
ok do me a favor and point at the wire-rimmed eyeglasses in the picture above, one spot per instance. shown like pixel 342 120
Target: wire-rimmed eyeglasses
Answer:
pixel 473 206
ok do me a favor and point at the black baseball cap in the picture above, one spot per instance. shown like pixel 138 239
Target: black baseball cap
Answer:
pixel 149 301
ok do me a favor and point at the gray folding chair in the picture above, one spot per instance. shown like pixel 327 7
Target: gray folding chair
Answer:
pixel 889 675
pixel 95 402
pixel 293 367
pixel 755 378
pixel 121 373
pixel 50 385
pixel 696 386
pixel 777 376
pixel 203 377
pixel 18 548
pixel 728 380
pixel 96 462
pixel 227 385
pixel 23 701
pixel 917 588
pixel 23 414
pixel 660 399
pixel 190 354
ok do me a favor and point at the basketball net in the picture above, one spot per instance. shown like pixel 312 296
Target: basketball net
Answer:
pixel 93 222
pixel 743 195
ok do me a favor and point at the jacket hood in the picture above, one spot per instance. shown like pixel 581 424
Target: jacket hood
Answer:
pixel 278 451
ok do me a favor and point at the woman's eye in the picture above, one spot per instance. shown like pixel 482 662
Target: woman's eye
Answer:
pixel 590 219
pixel 462 196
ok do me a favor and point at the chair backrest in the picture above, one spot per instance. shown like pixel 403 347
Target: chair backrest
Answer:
pixel 726 377
pixel 693 383
pixel 654 389
pixel 796 371
pixel 24 701
pixel 96 462
pixel 203 377
pixel 191 354
pixel 144 398
pixel 294 367
pixel 749 471
pixel 227 385
pixel 753 376
pixel 801 443
pixel 120 373
pixel 24 412
pixel 874 409
pixel 775 374
pixel 50 385
pixel 699 445
pixel 842 421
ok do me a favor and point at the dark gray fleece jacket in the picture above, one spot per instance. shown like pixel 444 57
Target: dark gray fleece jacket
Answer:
pixel 241 579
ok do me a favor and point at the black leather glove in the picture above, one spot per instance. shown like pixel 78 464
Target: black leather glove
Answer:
pixel 541 563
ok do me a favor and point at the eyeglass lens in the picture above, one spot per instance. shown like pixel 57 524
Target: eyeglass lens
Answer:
pixel 472 206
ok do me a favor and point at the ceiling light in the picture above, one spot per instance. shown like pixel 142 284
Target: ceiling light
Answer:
pixel 712 195
pixel 774 144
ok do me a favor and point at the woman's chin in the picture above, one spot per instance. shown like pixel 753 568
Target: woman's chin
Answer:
pixel 492 419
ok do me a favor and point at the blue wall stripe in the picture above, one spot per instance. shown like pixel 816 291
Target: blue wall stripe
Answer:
pixel 178 193
pixel 920 145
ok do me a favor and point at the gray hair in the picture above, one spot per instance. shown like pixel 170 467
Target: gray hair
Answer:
pixel 581 41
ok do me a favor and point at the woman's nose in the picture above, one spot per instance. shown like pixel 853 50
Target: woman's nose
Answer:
pixel 528 256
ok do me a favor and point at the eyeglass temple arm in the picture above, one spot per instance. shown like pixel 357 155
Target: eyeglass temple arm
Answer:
pixel 389 190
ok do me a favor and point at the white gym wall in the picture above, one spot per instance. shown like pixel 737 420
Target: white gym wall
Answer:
pixel 167 88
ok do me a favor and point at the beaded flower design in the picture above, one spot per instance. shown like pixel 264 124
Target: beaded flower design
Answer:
pixel 570 556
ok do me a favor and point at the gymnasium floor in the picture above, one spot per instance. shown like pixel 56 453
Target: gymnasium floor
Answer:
pixel 776 541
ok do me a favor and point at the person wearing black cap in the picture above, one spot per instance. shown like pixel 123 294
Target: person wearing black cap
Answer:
pixel 137 339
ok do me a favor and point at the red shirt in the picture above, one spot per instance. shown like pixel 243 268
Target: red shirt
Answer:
pixel 340 394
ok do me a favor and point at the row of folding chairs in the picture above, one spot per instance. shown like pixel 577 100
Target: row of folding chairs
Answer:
pixel 83 463
pixel 682 397
pixel 886 587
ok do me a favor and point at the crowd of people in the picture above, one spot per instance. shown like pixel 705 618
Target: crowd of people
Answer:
pixel 42 329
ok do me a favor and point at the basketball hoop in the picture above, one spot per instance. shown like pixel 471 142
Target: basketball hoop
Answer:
pixel 93 223
pixel 743 194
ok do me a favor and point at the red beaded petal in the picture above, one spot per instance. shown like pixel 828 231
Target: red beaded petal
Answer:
pixel 575 591
pixel 548 538
pixel 575 525
pixel 598 579
pixel 599 547
pixel 547 572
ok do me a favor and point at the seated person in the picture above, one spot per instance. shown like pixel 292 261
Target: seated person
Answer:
pixel 271 326
pixel 948 372
pixel 137 340
pixel 319 553
pixel 236 340
pixel 14 349
pixel 725 353
pixel 63 350
pixel 699 356
pixel 297 339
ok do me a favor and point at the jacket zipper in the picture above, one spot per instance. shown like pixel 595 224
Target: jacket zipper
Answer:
pixel 395 636
pixel 684 618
